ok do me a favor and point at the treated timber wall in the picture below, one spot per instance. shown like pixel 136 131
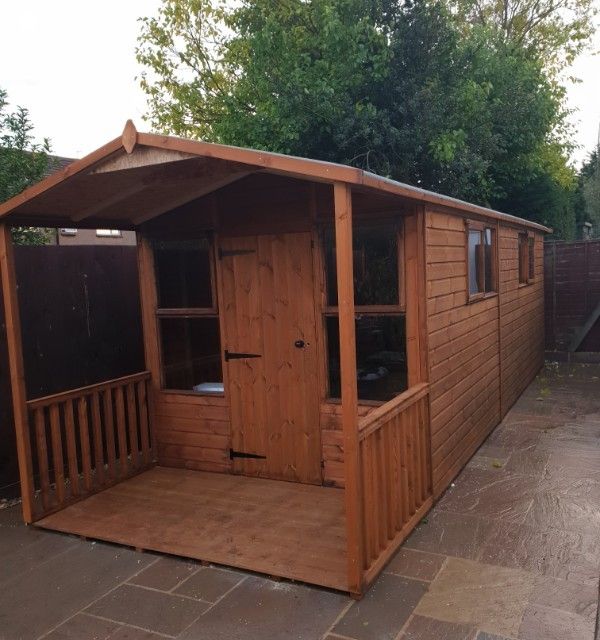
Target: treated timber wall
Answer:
pixel 521 318
pixel 483 354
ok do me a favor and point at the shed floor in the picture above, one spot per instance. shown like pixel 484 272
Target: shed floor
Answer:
pixel 284 529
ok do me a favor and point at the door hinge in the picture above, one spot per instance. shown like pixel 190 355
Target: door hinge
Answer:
pixel 232 355
pixel 241 454
pixel 225 253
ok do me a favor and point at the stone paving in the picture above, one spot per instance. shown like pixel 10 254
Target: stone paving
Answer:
pixel 511 551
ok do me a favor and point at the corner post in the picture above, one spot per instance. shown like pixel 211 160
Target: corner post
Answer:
pixel 17 370
pixel 147 289
pixel 353 488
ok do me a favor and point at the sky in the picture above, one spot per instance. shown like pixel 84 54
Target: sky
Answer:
pixel 72 64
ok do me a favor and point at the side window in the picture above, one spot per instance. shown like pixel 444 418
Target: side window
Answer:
pixel 187 315
pixel 531 260
pixel 523 258
pixel 481 260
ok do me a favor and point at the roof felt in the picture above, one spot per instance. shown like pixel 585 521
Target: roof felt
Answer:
pixel 49 200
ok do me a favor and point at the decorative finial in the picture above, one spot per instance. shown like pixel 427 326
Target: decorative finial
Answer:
pixel 129 137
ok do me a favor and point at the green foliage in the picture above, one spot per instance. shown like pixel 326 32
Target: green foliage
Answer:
pixel 553 31
pixel 588 202
pixel 22 163
pixel 415 90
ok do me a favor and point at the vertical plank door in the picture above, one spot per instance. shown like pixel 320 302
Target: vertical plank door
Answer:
pixel 269 317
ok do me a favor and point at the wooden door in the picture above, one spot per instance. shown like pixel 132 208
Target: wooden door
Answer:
pixel 270 354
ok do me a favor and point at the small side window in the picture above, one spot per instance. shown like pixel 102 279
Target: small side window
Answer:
pixel 526 258
pixel 531 257
pixel 481 260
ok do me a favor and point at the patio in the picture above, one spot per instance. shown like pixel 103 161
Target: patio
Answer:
pixel 511 551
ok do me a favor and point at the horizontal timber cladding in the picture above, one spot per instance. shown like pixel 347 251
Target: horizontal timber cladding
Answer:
pixel 482 354
pixel 192 432
pixel 464 368
pixel 332 441
pixel 521 318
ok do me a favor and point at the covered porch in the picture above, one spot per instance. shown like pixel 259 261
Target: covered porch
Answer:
pixel 253 439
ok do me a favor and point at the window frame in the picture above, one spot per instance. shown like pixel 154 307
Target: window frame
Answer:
pixel 328 311
pixel 371 309
pixel 526 242
pixel 531 257
pixel 482 227
pixel 161 313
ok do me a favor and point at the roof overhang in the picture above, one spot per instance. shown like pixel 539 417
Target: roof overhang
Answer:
pixel 139 176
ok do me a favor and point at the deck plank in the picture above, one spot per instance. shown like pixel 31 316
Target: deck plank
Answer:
pixel 285 529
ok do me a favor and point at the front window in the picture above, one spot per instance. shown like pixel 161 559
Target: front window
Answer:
pixel 379 307
pixel 187 315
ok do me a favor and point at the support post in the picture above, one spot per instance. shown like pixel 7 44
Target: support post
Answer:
pixel 349 393
pixel 149 327
pixel 17 370
pixel 416 328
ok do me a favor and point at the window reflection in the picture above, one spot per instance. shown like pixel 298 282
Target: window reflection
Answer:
pixel 380 356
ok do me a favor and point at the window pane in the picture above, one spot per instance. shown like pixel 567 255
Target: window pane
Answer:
pixel 475 260
pixel 489 261
pixel 523 258
pixel 191 354
pixel 380 356
pixel 183 276
pixel 531 258
pixel 375 265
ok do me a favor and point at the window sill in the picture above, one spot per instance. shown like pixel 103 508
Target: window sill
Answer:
pixel 480 297
pixel 192 394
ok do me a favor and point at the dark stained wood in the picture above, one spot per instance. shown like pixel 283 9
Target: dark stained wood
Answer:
pixel 119 400
pixel 69 421
pixel 17 373
pixel 42 456
pixel 109 433
pixel 57 453
pixel 84 439
pixel 284 529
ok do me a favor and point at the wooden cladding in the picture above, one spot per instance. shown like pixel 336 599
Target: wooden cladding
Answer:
pixel 87 439
pixel 395 474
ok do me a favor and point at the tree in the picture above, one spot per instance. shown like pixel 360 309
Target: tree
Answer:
pixel 555 31
pixel 22 163
pixel 399 88
pixel 589 191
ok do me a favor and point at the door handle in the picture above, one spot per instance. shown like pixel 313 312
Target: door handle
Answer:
pixel 299 344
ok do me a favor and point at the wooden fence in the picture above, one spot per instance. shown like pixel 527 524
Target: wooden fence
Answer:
pixel 395 473
pixel 87 439
pixel 80 317
pixel 572 295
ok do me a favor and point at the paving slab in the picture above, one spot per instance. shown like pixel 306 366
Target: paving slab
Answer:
pixel 165 573
pixel 383 611
pixel 487 597
pixel 38 600
pixel 258 609
pixel 210 584
pixel 411 563
pixel 511 552
pixel 421 628
pixel 152 610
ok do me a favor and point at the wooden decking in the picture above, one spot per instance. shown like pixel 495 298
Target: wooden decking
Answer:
pixel 283 529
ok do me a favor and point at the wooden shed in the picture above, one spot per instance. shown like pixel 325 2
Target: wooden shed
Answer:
pixel 325 349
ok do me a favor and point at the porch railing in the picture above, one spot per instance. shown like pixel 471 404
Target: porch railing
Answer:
pixel 87 439
pixel 395 473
